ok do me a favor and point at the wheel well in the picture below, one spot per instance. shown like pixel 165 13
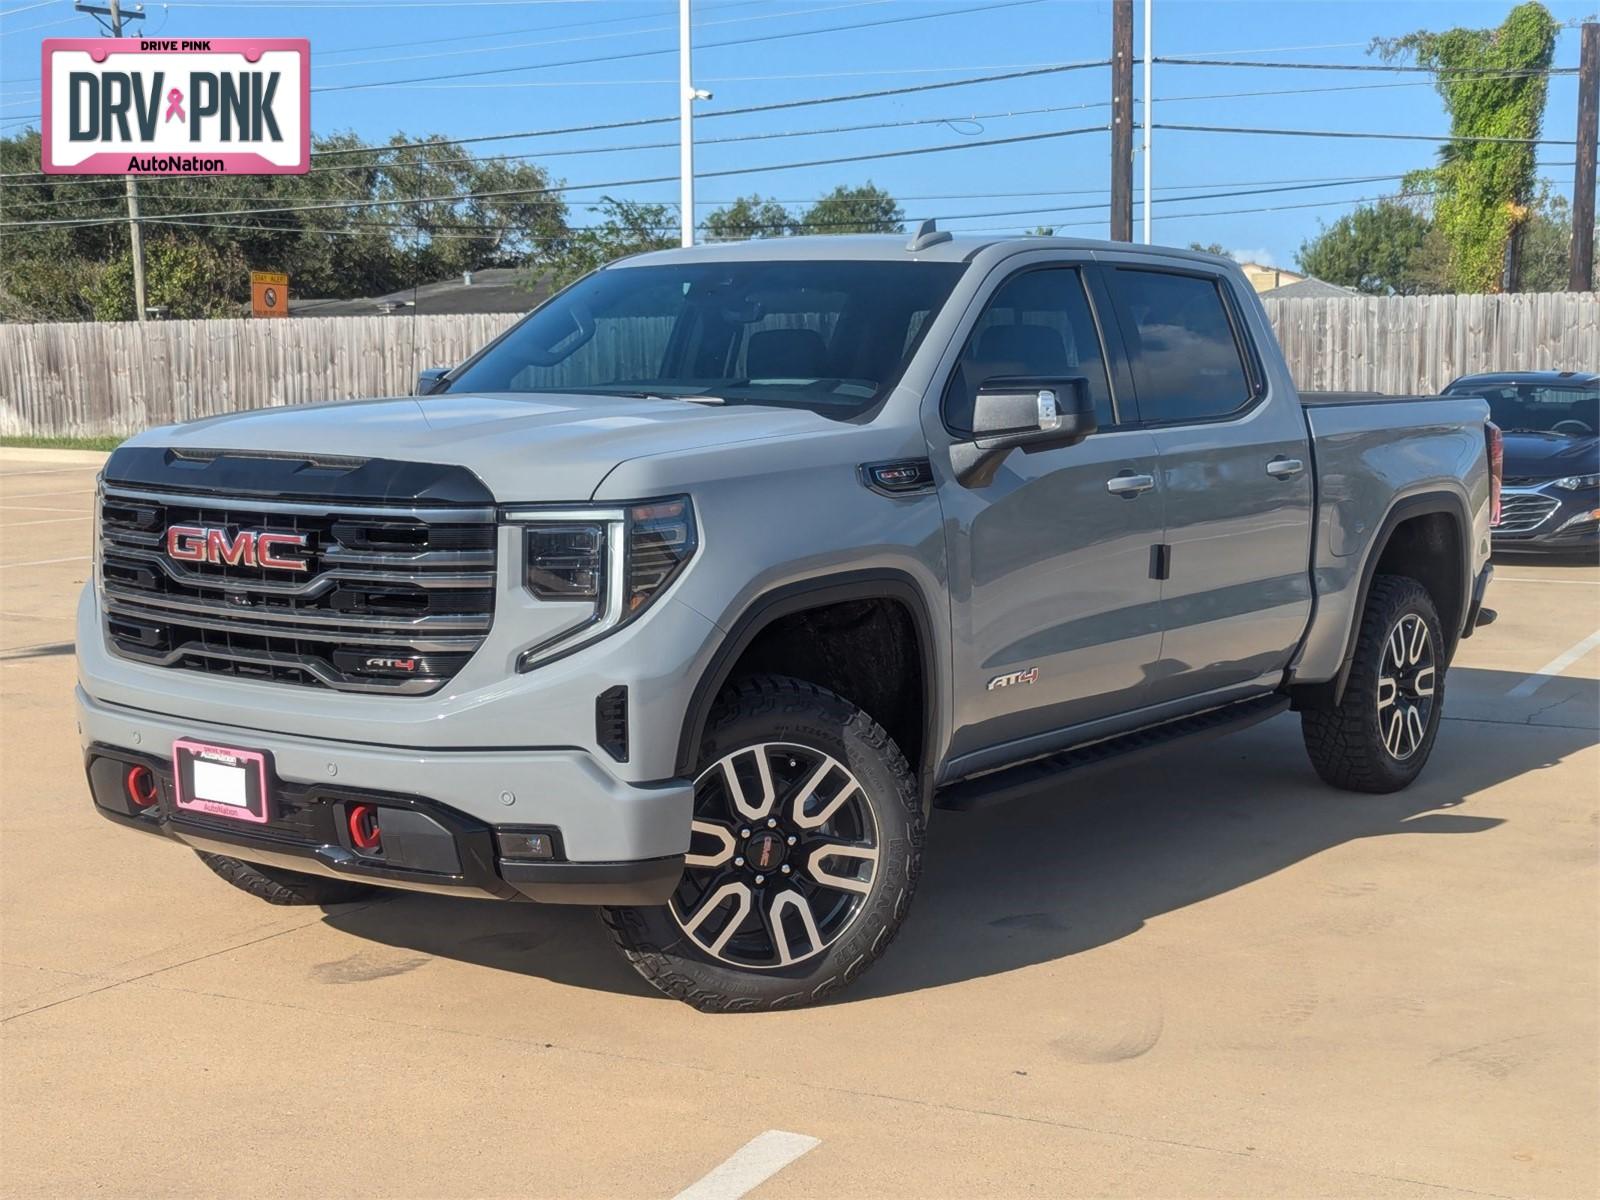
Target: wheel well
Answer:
pixel 1428 548
pixel 868 651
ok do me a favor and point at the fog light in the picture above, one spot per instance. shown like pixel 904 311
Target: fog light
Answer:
pixel 525 844
pixel 364 831
pixel 141 786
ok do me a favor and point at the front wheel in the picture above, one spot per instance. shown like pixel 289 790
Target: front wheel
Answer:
pixel 1379 737
pixel 806 845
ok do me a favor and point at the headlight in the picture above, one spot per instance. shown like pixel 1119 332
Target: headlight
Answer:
pixel 1576 483
pixel 617 560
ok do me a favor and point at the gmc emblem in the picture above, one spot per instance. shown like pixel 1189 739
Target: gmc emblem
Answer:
pixel 247 548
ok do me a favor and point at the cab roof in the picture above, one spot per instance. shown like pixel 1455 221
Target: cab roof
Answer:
pixel 891 247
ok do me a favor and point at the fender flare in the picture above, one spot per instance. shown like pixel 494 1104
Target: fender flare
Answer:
pixel 1328 693
pixel 882 583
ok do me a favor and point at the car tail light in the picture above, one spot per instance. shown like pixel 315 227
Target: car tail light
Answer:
pixel 1497 468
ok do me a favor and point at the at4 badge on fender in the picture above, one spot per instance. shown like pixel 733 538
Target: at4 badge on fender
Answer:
pixel 1031 675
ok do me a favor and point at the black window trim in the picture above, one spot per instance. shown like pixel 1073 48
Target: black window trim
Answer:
pixel 1243 343
pixel 1080 267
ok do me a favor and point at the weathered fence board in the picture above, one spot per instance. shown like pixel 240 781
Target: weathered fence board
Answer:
pixel 99 379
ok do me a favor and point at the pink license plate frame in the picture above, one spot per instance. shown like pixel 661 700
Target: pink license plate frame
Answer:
pixel 256 808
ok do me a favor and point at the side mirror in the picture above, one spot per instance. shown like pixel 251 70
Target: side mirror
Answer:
pixel 431 380
pixel 1021 411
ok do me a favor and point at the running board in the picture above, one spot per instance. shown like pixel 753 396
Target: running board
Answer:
pixel 1010 782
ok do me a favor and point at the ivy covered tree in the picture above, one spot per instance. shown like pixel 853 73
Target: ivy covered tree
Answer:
pixel 624 227
pixel 1493 82
pixel 863 209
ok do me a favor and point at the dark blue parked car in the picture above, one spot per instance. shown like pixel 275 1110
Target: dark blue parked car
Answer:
pixel 1550 420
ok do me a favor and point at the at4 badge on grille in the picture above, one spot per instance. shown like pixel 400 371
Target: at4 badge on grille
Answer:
pixel 169 106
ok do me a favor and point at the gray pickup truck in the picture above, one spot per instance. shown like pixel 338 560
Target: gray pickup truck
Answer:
pixel 695 593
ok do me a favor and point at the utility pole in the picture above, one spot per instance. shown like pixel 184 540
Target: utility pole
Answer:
pixel 135 236
pixel 1122 121
pixel 1581 278
pixel 1149 116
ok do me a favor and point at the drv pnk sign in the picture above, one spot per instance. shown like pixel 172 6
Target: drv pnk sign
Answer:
pixel 164 106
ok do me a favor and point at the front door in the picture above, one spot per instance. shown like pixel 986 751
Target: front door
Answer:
pixel 1055 610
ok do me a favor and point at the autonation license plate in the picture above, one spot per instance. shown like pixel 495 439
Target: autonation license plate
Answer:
pixel 220 781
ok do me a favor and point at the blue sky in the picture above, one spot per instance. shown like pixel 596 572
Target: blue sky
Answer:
pixel 981 188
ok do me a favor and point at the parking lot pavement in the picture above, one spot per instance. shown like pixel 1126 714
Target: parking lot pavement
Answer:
pixel 1205 975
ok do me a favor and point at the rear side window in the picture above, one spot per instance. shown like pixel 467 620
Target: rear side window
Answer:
pixel 1037 323
pixel 1186 360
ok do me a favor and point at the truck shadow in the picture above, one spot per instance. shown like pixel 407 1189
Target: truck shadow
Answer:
pixel 1090 860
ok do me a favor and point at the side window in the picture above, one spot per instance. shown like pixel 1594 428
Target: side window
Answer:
pixel 1186 361
pixel 1037 323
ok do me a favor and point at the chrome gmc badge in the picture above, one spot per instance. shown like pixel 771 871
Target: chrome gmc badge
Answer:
pixel 247 548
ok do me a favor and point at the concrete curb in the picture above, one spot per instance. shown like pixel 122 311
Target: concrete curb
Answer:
pixel 16 456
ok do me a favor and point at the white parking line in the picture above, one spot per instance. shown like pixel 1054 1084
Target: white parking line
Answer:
pixel 4 508
pixel 62 492
pixel 757 1161
pixel 45 562
pixel 48 521
pixel 1554 667
pixel 1535 579
pixel 50 471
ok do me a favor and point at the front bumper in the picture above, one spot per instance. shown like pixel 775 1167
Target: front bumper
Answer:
pixel 612 842
pixel 1550 518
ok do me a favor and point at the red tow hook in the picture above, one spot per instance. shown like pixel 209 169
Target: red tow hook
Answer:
pixel 364 831
pixel 141 786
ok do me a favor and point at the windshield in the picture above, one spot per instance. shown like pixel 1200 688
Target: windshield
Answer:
pixel 1537 408
pixel 830 336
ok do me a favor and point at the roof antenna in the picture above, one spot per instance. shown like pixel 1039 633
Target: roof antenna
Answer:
pixel 927 234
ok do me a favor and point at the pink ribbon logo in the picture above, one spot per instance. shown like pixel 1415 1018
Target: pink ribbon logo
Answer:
pixel 175 105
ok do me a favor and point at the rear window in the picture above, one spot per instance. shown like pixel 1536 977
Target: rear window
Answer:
pixel 1186 360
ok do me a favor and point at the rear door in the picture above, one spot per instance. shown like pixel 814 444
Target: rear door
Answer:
pixel 1236 472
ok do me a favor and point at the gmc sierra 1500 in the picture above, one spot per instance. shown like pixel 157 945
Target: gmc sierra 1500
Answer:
pixel 693 594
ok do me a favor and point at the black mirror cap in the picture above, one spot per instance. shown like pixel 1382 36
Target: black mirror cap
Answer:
pixel 431 380
pixel 1026 412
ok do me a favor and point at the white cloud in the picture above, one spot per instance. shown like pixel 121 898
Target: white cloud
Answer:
pixel 1262 256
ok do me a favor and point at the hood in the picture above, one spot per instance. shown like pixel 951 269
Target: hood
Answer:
pixel 526 448
pixel 1540 456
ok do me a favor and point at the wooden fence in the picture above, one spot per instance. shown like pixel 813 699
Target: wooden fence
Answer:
pixel 109 379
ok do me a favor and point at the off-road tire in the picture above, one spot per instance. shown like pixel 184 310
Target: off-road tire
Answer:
pixel 277 886
pixel 768 709
pixel 1346 743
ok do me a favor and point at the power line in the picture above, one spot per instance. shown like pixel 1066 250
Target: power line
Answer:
pixel 607 58
pixel 1303 66
pixel 563 188
pixel 1347 133
pixel 639 122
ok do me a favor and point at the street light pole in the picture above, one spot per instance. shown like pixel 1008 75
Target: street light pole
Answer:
pixel 685 126
pixel 1149 116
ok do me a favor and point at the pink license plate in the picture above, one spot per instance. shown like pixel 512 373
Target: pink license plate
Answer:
pixel 220 781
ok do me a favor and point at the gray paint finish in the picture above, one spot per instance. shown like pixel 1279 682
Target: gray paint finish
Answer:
pixel 1040 568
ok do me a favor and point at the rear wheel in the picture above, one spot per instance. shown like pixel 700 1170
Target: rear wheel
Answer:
pixel 277 886
pixel 1379 737
pixel 805 848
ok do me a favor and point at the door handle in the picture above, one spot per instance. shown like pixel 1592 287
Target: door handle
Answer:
pixel 1285 468
pixel 1129 485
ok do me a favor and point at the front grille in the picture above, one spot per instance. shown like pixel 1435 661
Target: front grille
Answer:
pixel 1525 512
pixel 390 600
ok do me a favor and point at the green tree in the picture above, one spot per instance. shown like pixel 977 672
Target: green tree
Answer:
pixel 1493 82
pixel 188 278
pixel 626 227
pixel 1208 248
pixel 749 217
pixel 864 209
pixel 1374 249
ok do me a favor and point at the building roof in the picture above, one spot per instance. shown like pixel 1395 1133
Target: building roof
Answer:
pixel 490 290
pixel 1308 288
